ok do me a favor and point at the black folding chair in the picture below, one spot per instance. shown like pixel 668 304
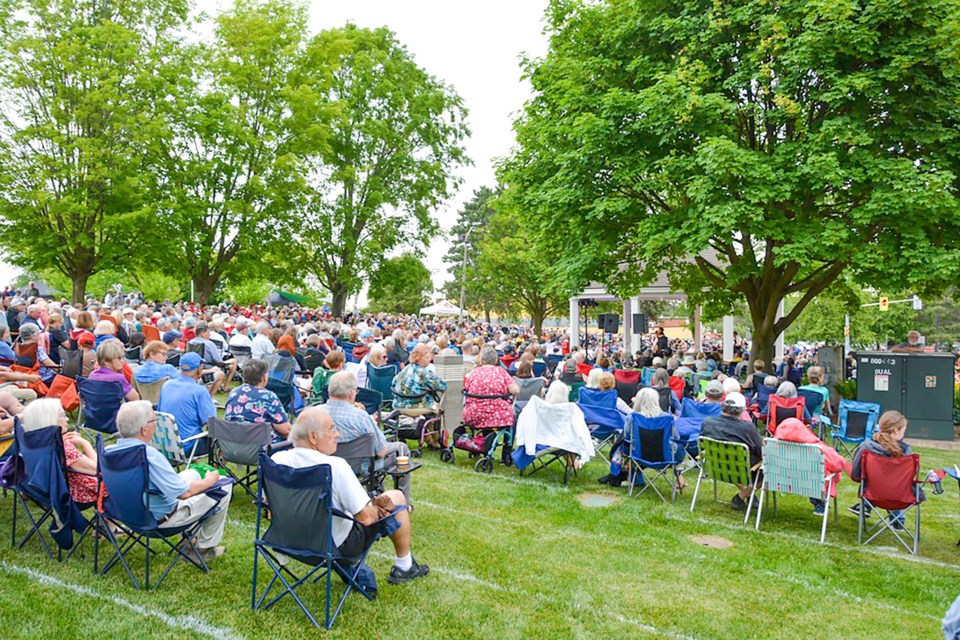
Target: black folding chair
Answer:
pixel 238 443
pixel 361 455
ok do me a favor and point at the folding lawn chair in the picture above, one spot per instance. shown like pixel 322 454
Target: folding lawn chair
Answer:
pixel 780 409
pixel 361 455
pixel 651 447
pixel 71 362
pixel 44 484
pixel 125 475
pixel 100 401
pixel 529 387
pixel 166 440
pixel 238 443
pixel 856 421
pixel 301 529
pixel 697 384
pixel 574 394
pixel 646 376
pixel 312 360
pixel 285 393
pixel 793 467
pixel 761 397
pixel 814 403
pixel 150 390
pixel 381 379
pixel 242 355
pixel 150 332
pixel 727 462
pixel 550 434
pixel 600 412
pixel 348 351
pixel 628 384
pixel 689 423
pixel 539 369
pixel 891 485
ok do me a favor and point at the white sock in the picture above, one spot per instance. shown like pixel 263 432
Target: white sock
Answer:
pixel 404 563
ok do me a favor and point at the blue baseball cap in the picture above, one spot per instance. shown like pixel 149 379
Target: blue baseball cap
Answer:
pixel 190 361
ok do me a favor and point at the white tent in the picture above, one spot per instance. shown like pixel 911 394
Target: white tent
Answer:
pixel 442 308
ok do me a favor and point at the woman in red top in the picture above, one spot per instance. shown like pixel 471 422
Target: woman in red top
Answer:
pixel 489 379
pixel 80 454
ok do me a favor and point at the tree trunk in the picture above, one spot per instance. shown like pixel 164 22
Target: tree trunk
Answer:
pixel 764 342
pixel 340 295
pixel 80 286
pixel 486 314
pixel 536 320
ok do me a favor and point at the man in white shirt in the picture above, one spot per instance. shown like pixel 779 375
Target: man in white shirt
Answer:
pixel 261 347
pixel 314 439
pixel 240 337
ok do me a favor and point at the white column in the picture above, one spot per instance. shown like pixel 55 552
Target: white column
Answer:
pixel 697 329
pixel 627 325
pixel 574 329
pixel 727 338
pixel 778 343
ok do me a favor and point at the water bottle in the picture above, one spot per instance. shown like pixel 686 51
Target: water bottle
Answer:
pixel 934 480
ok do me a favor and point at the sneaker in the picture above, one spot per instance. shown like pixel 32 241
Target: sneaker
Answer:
pixel 737 503
pixel 855 510
pixel 212 552
pixel 819 509
pixel 416 570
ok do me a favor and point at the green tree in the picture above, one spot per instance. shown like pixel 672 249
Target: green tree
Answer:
pixel 231 173
pixel 400 285
pixel 752 149
pixel 79 84
pixel 467 233
pixel 381 137
pixel 514 273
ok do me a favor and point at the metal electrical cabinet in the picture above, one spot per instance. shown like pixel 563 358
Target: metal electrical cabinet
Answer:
pixel 918 385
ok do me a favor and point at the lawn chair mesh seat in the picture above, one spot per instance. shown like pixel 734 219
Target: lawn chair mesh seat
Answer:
pixel 150 390
pixel 166 440
pixel 890 484
pixel 651 447
pixel 727 462
pixel 238 443
pixel 762 396
pixel 348 351
pixel 71 362
pixel 856 421
pixel 301 528
pixel 45 486
pixel 796 468
pixel 600 412
pixel 313 360
pixel 125 476
pixel 361 455
pixel 780 409
pixel 100 401
pixel 285 393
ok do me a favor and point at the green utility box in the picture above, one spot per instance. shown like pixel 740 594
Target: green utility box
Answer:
pixel 918 385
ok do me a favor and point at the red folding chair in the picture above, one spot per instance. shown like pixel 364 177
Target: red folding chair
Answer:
pixel 678 386
pixel 628 383
pixel 779 409
pixel 891 485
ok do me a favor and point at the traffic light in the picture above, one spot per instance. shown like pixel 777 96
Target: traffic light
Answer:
pixel 884 303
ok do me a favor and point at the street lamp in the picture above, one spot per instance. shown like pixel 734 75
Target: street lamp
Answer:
pixel 463 272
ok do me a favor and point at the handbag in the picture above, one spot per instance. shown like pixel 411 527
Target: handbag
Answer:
pixel 12 472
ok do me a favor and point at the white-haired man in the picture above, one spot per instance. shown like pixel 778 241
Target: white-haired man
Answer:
pixel 261 347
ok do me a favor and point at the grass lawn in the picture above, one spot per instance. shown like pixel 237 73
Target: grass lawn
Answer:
pixel 519 557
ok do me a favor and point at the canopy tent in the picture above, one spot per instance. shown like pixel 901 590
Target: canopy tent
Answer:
pixel 442 308
pixel 284 298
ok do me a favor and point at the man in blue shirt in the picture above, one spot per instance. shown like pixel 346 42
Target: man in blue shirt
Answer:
pixel 175 499
pixel 213 359
pixel 188 401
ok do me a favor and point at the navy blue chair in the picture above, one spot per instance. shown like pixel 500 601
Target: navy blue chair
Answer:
pixel 44 484
pixel 539 369
pixel 651 447
pixel 301 528
pixel 125 474
pixel 100 401
pixel 600 412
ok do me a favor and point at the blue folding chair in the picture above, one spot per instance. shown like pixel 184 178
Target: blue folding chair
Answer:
pixel 348 351
pixel 651 447
pixel 125 474
pixel 301 528
pixel 856 421
pixel 100 401
pixel 539 369
pixel 44 484
pixel 646 376
pixel 600 412
pixel 381 379
pixel 692 415
pixel 762 397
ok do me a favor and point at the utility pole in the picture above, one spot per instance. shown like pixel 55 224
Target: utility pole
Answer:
pixel 463 272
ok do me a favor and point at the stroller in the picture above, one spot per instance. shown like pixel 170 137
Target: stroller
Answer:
pixel 482 442
pixel 417 423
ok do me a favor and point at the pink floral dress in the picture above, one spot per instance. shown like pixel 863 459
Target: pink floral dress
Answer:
pixel 483 414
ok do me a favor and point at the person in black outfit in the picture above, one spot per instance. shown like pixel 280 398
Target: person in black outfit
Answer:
pixel 663 344
pixel 728 427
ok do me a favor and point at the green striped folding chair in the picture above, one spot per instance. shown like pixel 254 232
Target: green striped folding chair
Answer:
pixel 166 439
pixel 792 467
pixel 727 462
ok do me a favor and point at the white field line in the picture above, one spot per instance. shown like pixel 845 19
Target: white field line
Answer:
pixel 660 633
pixel 178 623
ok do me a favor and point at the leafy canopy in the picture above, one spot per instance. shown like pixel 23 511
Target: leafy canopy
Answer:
pixel 400 285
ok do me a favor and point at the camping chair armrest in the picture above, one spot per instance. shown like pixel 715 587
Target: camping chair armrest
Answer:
pixel 347 516
pixel 81 473
pixel 202 434
pixel 756 467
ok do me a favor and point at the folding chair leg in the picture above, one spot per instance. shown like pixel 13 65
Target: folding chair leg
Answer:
pixel 693 503
pixel 753 494
pixel 826 516
pixel 760 507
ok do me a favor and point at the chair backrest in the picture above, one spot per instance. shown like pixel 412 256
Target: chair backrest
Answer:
pixel 763 396
pixel 360 454
pixel 150 332
pixel 664 399
pixel 312 360
pixel 888 483
pixel 174 359
pixel 238 442
pixel 42 453
pixel 281 367
pixel 539 369
pixel 650 439
pixel 646 376
pixel 793 467
pixel 371 399
pixel 133 354
pixel 381 379
pixel 725 461
pixel 857 419
pixel 813 400
pixel 71 362
pixel 678 385
pixel 241 354
pixel 575 391
pixel 126 477
pixel 149 390
pixel 299 502
pixel 600 407
pixel 166 439
pixel 348 351
pixel 596 398
pixel 690 408
pixel 529 387
pixel 630 376
pixel 695 382
pixel 284 391
pixel 198 348
pixel 100 401
pixel 780 409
